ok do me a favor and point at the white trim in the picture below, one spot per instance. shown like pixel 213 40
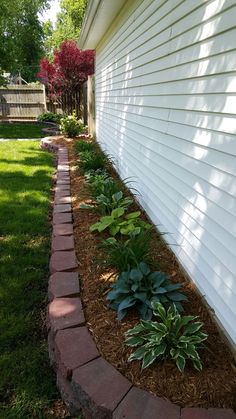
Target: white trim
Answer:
pixel 98 18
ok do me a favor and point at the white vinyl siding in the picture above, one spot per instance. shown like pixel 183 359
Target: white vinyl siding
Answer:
pixel 165 109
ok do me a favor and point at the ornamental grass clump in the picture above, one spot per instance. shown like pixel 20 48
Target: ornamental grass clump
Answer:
pixel 126 254
pixel 174 337
pixel 70 125
pixel 138 288
pixel 91 160
pixel 82 145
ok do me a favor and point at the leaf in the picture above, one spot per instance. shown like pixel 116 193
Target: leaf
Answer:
pixel 136 329
pixel 193 328
pixel 94 227
pixel 144 268
pixel 160 350
pixel 127 302
pixel 177 296
pixel 138 354
pixel 113 230
pixel 145 312
pixel 180 362
pixel 117 196
pixel 118 212
pixel 86 206
pixel 133 215
pixel 197 364
pixel 142 296
pixel 148 359
pixel 134 341
pixel 136 275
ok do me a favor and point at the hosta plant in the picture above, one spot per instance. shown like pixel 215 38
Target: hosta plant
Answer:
pixel 117 222
pixel 174 337
pixel 138 288
pixel 106 202
pixel 95 181
pixel 124 254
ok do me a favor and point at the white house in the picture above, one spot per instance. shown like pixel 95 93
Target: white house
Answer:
pixel 165 94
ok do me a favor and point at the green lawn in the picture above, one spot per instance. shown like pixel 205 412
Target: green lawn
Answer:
pixel 15 130
pixel 27 385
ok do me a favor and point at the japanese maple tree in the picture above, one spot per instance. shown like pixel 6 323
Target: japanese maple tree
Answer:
pixel 69 70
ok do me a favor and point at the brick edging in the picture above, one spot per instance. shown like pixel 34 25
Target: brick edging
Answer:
pixel 87 382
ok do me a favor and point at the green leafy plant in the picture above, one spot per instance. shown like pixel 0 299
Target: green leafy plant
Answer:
pixel 124 254
pixel 106 202
pixel 118 223
pixel 82 145
pixel 70 125
pixel 139 288
pixel 174 337
pixel 90 160
pixel 50 117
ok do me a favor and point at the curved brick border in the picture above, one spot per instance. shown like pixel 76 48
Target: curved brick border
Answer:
pixel 87 382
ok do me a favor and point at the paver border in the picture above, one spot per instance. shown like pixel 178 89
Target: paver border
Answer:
pixel 87 382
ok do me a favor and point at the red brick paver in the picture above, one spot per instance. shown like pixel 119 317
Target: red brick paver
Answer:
pixel 99 387
pixel 62 218
pixel 64 313
pixel 63 229
pixel 63 261
pixel 63 284
pixel 139 404
pixel 73 348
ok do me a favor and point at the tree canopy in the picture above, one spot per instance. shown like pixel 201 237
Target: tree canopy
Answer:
pixel 21 36
pixel 68 24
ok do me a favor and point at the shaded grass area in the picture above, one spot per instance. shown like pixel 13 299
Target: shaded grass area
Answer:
pixel 27 385
pixel 14 130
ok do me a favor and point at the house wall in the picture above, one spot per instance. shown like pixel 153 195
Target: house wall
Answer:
pixel 165 109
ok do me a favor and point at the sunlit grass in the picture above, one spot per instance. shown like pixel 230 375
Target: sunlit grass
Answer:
pixel 27 385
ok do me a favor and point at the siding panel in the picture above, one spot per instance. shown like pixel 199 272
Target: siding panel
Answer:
pixel 166 98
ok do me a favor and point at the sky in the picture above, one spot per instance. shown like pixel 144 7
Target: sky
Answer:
pixel 51 13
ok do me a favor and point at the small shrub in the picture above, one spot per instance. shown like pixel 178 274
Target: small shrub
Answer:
pixel 175 337
pixel 118 223
pixel 82 145
pixel 139 287
pixel 90 160
pixel 126 254
pixel 70 125
pixel 95 181
pixel 50 117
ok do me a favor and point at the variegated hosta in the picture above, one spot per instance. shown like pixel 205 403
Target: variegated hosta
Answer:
pixel 173 337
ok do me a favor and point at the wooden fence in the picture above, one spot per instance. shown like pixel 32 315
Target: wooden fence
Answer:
pixel 69 103
pixel 22 102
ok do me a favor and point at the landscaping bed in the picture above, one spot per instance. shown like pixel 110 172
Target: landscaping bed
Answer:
pixel 214 385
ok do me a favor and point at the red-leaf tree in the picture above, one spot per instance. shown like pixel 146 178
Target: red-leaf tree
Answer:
pixel 68 71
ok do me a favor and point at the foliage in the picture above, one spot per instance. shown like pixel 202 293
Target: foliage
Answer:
pixel 118 223
pixel 20 52
pixel 21 130
pixel 67 72
pixel 68 24
pixel 107 202
pixel 82 145
pixel 90 160
pixel 124 254
pixel 70 125
pixel 139 288
pixel 176 337
pixel 50 117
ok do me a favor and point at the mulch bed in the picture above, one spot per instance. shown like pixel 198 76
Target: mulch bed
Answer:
pixel 214 386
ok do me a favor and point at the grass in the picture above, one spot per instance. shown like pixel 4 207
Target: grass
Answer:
pixel 27 385
pixel 15 130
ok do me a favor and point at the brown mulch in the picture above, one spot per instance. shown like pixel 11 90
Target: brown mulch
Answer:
pixel 214 386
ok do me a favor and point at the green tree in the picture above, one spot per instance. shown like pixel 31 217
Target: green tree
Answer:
pixel 68 24
pixel 21 36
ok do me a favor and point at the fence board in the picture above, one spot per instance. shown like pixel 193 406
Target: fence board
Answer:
pixel 21 102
